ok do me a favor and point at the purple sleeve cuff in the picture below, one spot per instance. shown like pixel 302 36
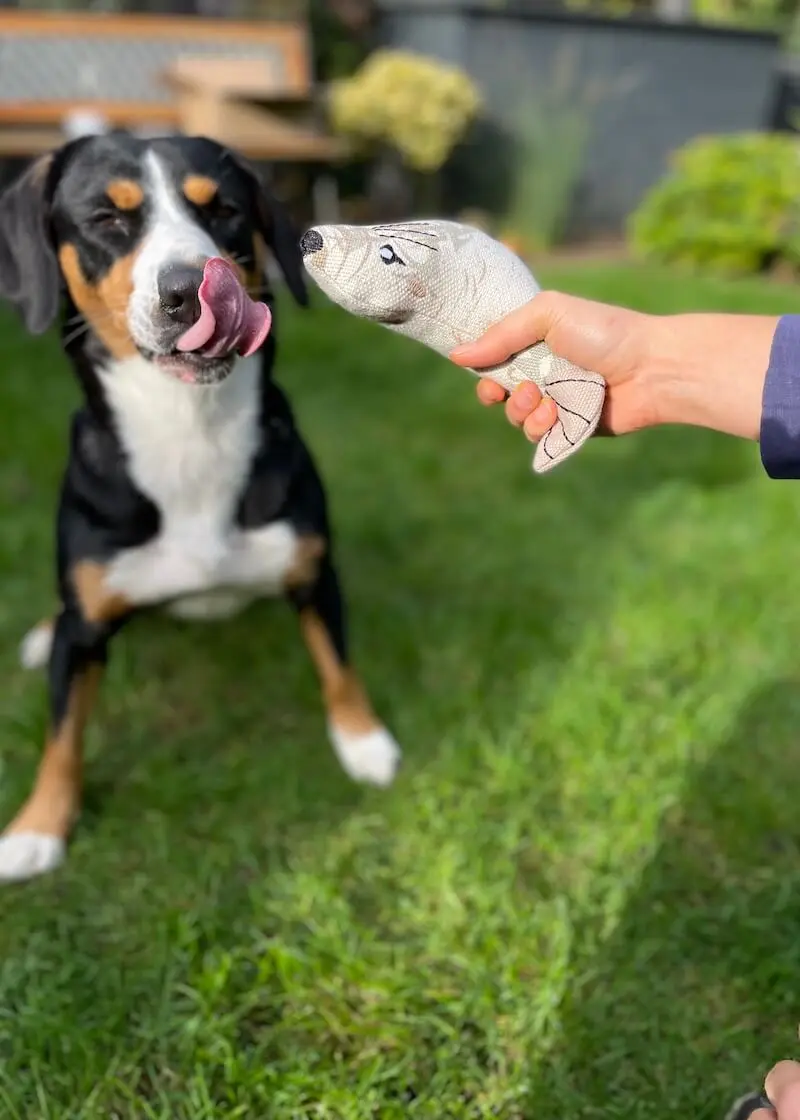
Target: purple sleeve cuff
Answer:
pixel 780 416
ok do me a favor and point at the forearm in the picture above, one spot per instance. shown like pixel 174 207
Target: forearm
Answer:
pixel 709 370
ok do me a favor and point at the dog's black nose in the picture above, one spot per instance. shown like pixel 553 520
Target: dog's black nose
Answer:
pixel 177 290
pixel 311 242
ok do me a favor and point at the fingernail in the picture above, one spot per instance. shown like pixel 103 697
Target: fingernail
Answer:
pixel 526 397
pixel 541 414
pixel 460 351
pixel 782 1074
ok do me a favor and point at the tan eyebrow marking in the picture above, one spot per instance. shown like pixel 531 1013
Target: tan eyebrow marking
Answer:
pixel 125 194
pixel 199 189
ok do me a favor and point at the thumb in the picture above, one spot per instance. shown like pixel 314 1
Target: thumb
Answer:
pixel 783 1089
pixel 522 328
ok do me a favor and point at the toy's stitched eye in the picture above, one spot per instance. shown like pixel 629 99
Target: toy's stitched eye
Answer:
pixel 388 255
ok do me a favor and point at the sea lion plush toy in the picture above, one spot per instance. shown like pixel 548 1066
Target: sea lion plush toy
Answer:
pixel 444 283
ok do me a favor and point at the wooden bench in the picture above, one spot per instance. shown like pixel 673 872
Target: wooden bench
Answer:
pixel 247 84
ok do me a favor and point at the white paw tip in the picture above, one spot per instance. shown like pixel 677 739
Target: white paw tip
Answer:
pixel 34 650
pixel 372 758
pixel 24 855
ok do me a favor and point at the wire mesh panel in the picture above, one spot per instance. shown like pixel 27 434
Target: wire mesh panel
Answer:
pixel 218 9
pixel 51 59
pixel 77 67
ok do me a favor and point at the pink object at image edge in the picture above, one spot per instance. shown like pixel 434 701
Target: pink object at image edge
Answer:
pixel 229 319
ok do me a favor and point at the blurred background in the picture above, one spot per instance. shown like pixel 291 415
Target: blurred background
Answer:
pixel 552 124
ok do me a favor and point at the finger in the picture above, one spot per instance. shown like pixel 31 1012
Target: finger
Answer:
pixel 489 392
pixel 541 420
pixel 522 328
pixel 782 1086
pixel 762 1114
pixel 522 402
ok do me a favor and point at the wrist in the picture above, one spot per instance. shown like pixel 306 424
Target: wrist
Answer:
pixel 708 370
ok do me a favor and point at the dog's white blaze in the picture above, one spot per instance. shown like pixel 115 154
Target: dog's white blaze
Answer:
pixel 190 449
pixel 172 236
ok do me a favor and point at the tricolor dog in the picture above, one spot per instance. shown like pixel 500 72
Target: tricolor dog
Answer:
pixel 187 484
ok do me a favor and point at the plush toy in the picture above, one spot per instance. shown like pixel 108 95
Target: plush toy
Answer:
pixel 443 283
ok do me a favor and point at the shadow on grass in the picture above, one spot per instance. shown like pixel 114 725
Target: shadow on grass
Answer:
pixel 694 995
pixel 435 609
pixel 434 584
pixel 214 771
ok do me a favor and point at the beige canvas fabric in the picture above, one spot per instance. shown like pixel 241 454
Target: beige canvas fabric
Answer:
pixel 442 284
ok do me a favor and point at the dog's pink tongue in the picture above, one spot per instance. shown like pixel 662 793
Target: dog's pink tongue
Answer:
pixel 229 319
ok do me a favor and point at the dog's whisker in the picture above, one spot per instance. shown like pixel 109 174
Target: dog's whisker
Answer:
pixel 76 334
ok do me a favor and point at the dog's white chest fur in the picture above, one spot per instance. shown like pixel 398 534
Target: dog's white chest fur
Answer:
pixel 189 451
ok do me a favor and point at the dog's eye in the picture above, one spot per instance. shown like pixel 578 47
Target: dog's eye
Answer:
pixel 224 211
pixel 108 219
pixel 388 255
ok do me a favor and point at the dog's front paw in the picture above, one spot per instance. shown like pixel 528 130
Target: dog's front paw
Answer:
pixel 24 855
pixel 34 650
pixel 373 757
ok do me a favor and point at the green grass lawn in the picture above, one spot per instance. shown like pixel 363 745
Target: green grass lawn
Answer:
pixel 582 896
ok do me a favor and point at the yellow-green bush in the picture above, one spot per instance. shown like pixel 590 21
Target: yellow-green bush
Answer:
pixel 728 204
pixel 419 106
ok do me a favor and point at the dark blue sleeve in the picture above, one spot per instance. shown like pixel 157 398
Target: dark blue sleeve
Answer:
pixel 780 416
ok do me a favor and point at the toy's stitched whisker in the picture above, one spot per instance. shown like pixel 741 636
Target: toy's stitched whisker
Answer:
pixel 411 241
pixel 403 229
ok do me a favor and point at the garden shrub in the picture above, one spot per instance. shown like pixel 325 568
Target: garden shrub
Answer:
pixel 728 204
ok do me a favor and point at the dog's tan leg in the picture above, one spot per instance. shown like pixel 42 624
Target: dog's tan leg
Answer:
pixel 366 750
pixel 35 841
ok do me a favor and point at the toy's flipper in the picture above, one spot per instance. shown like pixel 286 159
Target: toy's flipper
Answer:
pixel 579 396
pixel 744 1107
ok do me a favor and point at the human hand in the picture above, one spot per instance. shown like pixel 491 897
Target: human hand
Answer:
pixel 782 1086
pixel 611 341
pixel 701 369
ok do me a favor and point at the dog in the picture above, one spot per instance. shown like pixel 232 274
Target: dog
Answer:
pixel 188 486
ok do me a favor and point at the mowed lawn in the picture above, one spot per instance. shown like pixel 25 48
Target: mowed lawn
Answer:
pixel 582 896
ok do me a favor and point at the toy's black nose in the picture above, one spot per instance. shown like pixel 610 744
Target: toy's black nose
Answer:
pixel 311 242
pixel 177 290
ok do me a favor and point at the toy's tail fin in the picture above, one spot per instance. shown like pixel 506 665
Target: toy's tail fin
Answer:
pixel 745 1106
pixel 579 396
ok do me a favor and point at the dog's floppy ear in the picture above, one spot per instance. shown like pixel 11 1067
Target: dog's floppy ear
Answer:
pixel 29 274
pixel 284 241
pixel 278 231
